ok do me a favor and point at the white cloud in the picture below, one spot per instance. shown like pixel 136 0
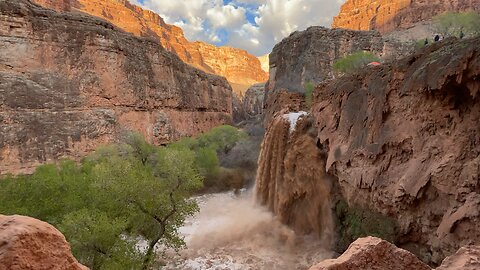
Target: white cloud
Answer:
pixel 215 22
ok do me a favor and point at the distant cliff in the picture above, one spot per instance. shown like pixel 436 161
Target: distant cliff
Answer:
pixel 238 66
pixel 389 15
pixel 70 82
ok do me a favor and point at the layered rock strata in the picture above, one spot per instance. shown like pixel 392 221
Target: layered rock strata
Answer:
pixel 388 15
pixel 238 66
pixel 27 243
pixel 70 82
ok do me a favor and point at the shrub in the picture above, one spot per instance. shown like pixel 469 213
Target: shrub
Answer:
pixel 456 24
pixel 309 87
pixel 354 62
pixel 355 222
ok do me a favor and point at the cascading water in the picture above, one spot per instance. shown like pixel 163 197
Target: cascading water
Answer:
pixel 236 232
pixel 232 232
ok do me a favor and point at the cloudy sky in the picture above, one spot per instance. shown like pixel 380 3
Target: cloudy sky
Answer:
pixel 253 25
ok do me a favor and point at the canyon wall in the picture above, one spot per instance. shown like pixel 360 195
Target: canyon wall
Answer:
pixel 387 15
pixel 70 82
pixel 238 66
pixel 401 139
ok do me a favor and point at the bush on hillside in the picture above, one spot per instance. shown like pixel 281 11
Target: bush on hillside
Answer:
pixel 309 87
pixel 354 62
pixel 457 24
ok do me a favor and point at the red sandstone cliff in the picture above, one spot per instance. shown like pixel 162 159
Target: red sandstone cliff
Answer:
pixel 238 66
pixel 69 82
pixel 401 139
pixel 389 15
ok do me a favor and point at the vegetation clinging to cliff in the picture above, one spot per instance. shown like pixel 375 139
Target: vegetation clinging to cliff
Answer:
pixel 458 24
pixel 309 87
pixel 354 62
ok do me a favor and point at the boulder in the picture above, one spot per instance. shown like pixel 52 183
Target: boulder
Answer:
pixel 373 254
pixel 30 244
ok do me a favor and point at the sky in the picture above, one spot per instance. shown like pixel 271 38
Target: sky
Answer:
pixel 252 25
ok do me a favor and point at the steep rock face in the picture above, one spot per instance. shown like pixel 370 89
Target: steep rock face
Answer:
pixel 253 100
pixel 404 140
pixel 308 56
pixel 374 254
pixel 27 243
pixel 388 15
pixel 236 65
pixel 69 82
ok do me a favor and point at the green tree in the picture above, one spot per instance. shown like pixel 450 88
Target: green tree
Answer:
pixel 457 24
pixel 117 195
pixel 354 62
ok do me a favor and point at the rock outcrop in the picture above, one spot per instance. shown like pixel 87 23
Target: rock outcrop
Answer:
pixel 374 254
pixel 238 66
pixel 253 100
pixel 403 140
pixel 30 244
pixel 308 56
pixel 387 15
pixel 466 258
pixel 69 82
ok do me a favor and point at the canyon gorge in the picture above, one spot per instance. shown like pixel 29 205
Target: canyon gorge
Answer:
pixel 376 169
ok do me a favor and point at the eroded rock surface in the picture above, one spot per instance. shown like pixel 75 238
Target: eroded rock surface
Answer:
pixel 238 66
pixel 253 100
pixel 403 139
pixel 70 82
pixel 30 244
pixel 390 15
pixel 374 254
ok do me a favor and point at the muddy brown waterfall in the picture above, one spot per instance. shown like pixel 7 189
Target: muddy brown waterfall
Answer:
pixel 298 195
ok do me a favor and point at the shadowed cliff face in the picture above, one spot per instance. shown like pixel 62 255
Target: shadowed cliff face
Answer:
pixel 404 140
pixel 69 82
pixel 238 66
pixel 389 15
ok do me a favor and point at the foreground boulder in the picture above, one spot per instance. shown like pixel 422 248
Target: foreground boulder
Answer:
pixel 374 254
pixel 30 244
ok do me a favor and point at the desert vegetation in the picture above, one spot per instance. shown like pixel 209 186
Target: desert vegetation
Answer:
pixel 121 195
pixel 354 62
pixel 464 24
